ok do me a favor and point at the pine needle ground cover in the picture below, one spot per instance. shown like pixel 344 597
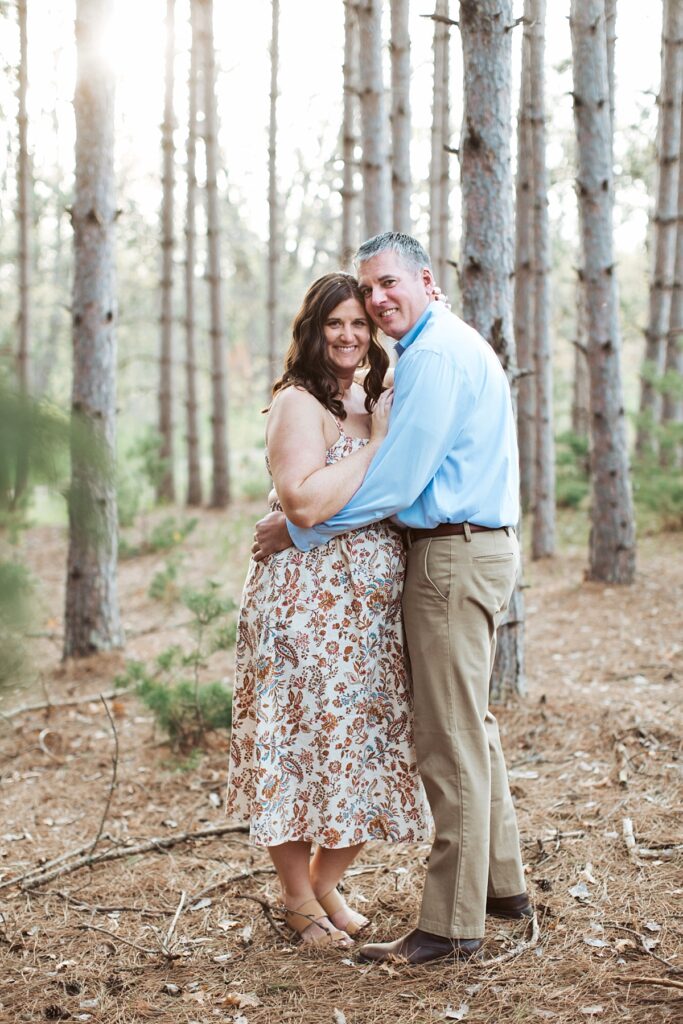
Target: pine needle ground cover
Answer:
pixel 178 929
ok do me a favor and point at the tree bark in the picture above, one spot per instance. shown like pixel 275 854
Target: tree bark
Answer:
pixel 92 614
pixel 437 249
pixel 24 190
pixel 166 484
pixel 672 405
pixel 220 479
pixel 664 223
pixel 375 162
pixel 349 196
pixel 580 415
pixel 273 226
pixel 194 475
pixel 400 116
pixel 524 277
pixel 612 541
pixel 486 261
pixel 543 533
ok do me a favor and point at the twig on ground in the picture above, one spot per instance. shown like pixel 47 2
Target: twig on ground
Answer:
pixel 96 908
pixel 166 946
pixel 621 755
pixel 216 886
pixel 71 702
pixel 112 785
pixel 629 838
pixel 650 952
pixel 666 982
pixel 160 843
pixel 120 938
pixel 520 948
pixel 52 863
pixel 636 852
pixel 267 910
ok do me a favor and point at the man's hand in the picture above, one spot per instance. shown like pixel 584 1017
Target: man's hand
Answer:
pixel 270 535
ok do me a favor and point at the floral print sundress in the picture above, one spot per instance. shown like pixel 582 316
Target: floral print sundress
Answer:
pixel 322 736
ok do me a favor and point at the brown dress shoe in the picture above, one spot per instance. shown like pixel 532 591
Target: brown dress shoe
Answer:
pixel 418 947
pixel 509 907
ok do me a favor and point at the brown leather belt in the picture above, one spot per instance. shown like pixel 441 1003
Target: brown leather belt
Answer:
pixel 449 530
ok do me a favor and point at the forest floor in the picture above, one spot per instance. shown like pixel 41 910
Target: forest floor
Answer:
pixel 139 937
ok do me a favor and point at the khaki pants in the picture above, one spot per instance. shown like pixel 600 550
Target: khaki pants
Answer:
pixel 456 592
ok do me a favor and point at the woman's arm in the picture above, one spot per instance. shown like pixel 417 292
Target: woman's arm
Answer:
pixel 309 491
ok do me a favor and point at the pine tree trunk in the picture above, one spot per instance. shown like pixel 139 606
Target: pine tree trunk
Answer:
pixel 349 196
pixel 524 277
pixel 194 475
pixel 439 102
pixel 672 406
pixel 612 542
pixel 447 264
pixel 23 210
pixel 273 228
pixel 664 223
pixel 400 116
pixel 486 261
pixel 220 478
pixel 375 164
pixel 543 533
pixel 92 615
pixel 166 484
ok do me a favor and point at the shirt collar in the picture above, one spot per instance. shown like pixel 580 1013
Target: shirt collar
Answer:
pixel 414 331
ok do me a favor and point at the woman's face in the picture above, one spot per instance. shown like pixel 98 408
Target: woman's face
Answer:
pixel 347 335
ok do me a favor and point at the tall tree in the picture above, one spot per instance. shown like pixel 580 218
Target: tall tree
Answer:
pixel 194 475
pixel 543 533
pixel 612 540
pixel 92 615
pixel 400 115
pixel 166 484
pixel 220 477
pixel 375 163
pixel 273 211
pixel 664 222
pixel 524 277
pixel 438 181
pixel 486 260
pixel 349 195
pixel 23 208
pixel 672 406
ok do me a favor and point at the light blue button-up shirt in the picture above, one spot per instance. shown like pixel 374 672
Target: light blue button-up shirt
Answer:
pixel 450 455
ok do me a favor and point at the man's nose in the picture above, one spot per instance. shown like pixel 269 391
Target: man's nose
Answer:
pixel 377 295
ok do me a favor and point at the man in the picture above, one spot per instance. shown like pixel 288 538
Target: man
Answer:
pixel 448 472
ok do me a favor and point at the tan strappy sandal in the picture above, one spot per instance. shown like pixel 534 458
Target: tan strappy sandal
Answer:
pixel 332 902
pixel 311 913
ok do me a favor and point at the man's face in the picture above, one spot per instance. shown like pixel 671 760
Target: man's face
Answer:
pixel 395 295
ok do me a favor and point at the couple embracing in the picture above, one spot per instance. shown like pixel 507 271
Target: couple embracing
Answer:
pixel 368 622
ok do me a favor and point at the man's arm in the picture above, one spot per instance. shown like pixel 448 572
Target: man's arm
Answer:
pixel 430 402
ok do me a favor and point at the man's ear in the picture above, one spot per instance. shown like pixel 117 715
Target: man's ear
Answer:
pixel 427 279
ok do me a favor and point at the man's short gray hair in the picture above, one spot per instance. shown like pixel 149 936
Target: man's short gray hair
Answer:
pixel 408 248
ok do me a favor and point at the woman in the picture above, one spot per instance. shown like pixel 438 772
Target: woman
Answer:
pixel 322 747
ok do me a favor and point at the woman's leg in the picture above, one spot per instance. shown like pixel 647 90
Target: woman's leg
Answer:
pixel 291 861
pixel 326 870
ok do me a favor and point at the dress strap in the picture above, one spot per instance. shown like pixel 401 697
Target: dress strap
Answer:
pixel 336 421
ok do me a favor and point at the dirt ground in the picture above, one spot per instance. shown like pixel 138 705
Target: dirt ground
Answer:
pixel 181 932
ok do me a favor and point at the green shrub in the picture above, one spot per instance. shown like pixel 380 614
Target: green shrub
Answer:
pixel 572 484
pixel 163 586
pixel 185 711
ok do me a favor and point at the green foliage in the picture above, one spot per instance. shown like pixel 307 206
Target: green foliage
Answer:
pixel 170 687
pixel 658 492
pixel 572 469
pixel 164 586
pixel 164 536
pixel 138 474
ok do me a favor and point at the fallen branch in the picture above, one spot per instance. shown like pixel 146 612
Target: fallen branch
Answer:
pixel 268 912
pixel 52 863
pixel 217 886
pixel 96 908
pixel 120 938
pixel 621 755
pixel 70 703
pixel 166 944
pixel 666 982
pixel 629 838
pixel 520 948
pixel 643 947
pixel 112 785
pixel 636 852
pixel 158 843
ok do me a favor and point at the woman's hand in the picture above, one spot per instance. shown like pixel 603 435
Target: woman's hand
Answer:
pixel 380 416
pixel 439 296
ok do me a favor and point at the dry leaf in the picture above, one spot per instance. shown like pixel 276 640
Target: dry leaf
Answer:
pixel 580 891
pixel 591 1011
pixel 201 904
pixel 598 943
pixel 338 1016
pixel 241 999
pixel 459 1014
pixel 226 924
pixel 652 926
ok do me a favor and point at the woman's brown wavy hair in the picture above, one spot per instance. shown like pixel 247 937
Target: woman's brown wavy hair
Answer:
pixel 306 362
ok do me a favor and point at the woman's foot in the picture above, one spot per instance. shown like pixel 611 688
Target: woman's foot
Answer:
pixel 315 927
pixel 340 913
